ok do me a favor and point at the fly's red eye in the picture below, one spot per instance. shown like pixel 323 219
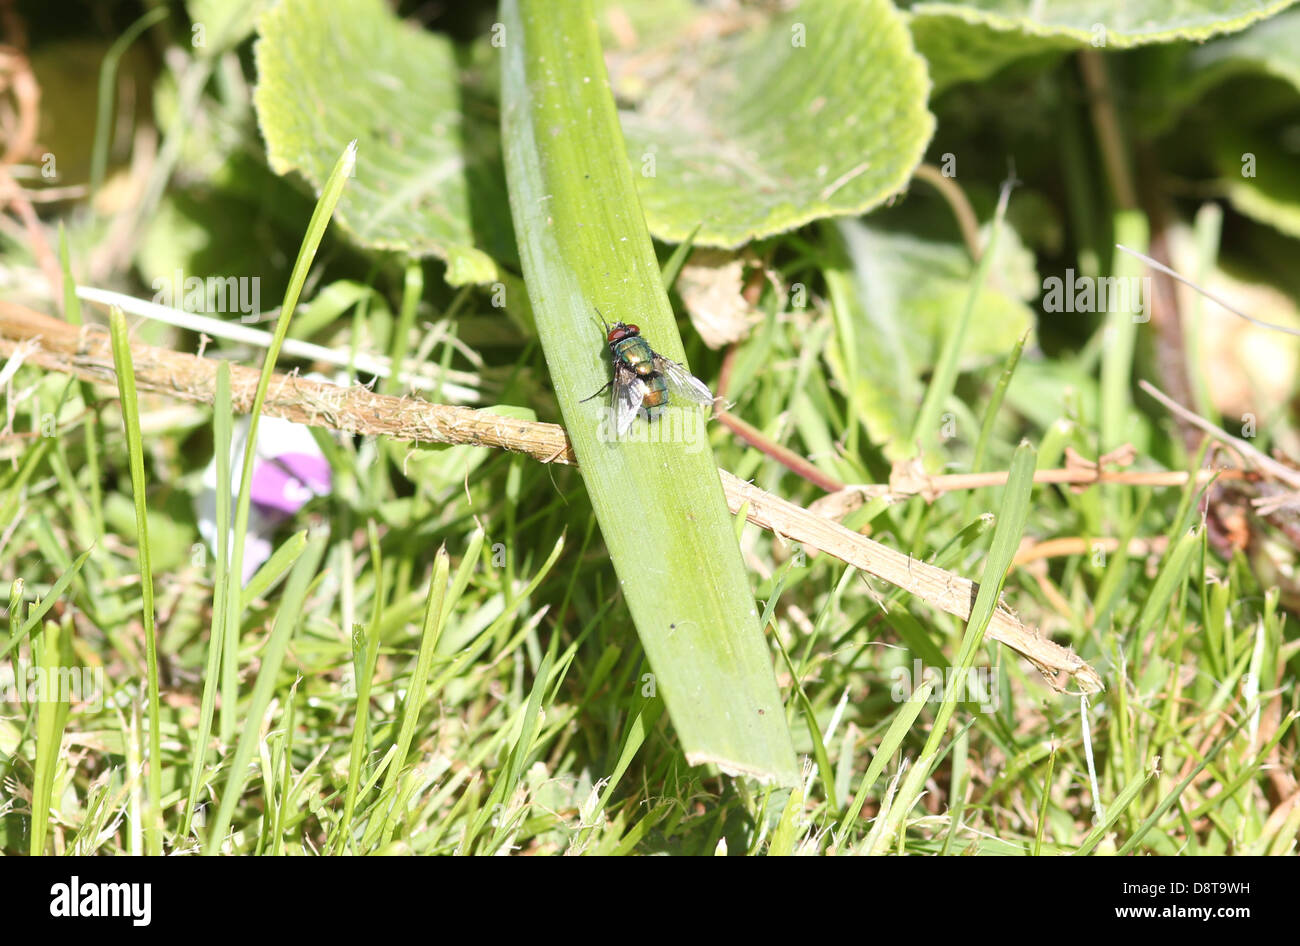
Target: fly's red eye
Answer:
pixel 614 335
pixel 633 330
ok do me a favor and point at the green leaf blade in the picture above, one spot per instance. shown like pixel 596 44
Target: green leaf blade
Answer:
pixel 584 245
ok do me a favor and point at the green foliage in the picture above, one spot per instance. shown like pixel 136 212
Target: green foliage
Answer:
pixel 431 165
pixel 972 40
pixel 819 113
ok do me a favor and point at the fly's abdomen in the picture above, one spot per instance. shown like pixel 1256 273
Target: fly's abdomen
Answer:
pixel 636 353
pixel 656 394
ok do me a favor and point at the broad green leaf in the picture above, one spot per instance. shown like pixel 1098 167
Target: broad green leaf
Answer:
pixel 961 50
pixel 1265 51
pixel 657 498
pixel 1260 177
pixel 820 112
pixel 428 168
pixel 972 40
pixel 217 25
pixel 1269 47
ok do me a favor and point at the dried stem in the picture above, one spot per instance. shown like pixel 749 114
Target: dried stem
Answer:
pixel 86 353
pixel 840 503
pixel 950 191
pixel 1106 124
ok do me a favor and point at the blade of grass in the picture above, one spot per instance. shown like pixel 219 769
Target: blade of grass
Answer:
pixel 1012 516
pixel 51 717
pixel 412 290
pixel 415 691
pixel 233 614
pixel 43 607
pixel 108 85
pixel 673 267
pixel 925 432
pixel 584 246
pixel 889 743
pixel 1121 328
pixel 135 451
pixel 990 418
pixel 287 619
pixel 1172 575
pixel 824 770
pixel 643 720
pixel 1169 800
pixel 1128 794
pixel 286 777
pixel 506 781
pixel 365 656
pixel 786 834
pixel 14 488
pixel 72 312
pixel 221 439
pixel 1044 803
pixel 274 568
pixel 957 784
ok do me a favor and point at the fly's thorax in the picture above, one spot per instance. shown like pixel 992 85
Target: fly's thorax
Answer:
pixel 634 352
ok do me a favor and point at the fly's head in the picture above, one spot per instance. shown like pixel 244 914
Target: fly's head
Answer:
pixel 619 331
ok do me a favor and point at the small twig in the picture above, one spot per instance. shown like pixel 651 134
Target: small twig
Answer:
pixel 839 504
pixel 961 208
pixel 1105 121
pixel 783 455
pixel 1161 267
pixel 939 587
pixel 1265 463
pixel 1081 545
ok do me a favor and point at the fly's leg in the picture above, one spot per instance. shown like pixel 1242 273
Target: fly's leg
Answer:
pixel 608 385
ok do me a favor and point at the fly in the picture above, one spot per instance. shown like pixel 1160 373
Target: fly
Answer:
pixel 643 379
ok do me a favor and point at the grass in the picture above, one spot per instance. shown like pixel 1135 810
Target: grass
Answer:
pixel 493 722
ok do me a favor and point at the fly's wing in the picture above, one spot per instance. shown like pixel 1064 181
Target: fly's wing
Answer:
pixel 629 393
pixel 681 383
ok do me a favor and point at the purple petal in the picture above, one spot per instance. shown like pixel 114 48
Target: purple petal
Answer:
pixel 286 484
